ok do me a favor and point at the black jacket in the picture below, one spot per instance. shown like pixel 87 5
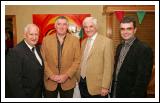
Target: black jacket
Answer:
pixel 23 73
pixel 135 71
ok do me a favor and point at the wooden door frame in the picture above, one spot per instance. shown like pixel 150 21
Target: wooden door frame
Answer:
pixel 13 17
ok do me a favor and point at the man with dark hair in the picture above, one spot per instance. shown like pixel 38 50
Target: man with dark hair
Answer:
pixel 133 63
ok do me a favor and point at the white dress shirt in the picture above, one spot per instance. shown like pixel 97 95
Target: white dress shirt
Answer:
pixel 35 52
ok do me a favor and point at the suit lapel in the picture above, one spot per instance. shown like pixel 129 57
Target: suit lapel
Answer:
pixel 53 49
pixel 39 54
pixel 130 51
pixel 84 45
pixel 38 51
pixel 30 54
pixel 65 45
pixel 118 53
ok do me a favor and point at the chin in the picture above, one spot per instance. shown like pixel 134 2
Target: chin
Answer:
pixel 34 43
pixel 90 35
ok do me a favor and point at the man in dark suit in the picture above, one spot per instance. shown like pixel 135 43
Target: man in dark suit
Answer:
pixel 24 67
pixel 133 64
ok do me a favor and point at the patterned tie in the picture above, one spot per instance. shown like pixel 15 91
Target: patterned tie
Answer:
pixel 84 58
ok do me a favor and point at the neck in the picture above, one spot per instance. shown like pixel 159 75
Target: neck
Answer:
pixel 29 43
pixel 60 36
pixel 127 41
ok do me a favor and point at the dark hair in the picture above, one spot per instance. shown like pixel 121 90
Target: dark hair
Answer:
pixel 128 19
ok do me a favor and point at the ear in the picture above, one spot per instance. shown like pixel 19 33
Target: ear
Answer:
pixel 135 30
pixel 24 35
pixel 55 25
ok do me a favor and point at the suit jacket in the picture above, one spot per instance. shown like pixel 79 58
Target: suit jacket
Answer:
pixel 70 60
pixel 23 73
pixel 99 64
pixel 135 71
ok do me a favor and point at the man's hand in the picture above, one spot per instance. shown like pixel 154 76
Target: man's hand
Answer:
pixel 62 78
pixel 55 78
pixel 104 91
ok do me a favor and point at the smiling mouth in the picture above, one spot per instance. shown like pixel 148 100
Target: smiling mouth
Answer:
pixel 33 40
pixel 125 35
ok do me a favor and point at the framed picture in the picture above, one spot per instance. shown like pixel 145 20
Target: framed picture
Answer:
pixel 46 24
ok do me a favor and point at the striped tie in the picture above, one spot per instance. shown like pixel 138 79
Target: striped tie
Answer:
pixel 84 58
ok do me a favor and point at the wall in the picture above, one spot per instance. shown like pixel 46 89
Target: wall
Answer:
pixel 24 14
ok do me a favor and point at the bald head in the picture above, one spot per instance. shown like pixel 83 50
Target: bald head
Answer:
pixel 31 34
pixel 28 27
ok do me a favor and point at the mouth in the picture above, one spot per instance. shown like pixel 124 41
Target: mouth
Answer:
pixel 34 40
pixel 89 32
pixel 125 35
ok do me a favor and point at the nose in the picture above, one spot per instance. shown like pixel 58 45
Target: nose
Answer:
pixel 125 31
pixel 34 36
pixel 87 29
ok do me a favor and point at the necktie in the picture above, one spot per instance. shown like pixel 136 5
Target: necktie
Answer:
pixel 33 50
pixel 36 55
pixel 84 58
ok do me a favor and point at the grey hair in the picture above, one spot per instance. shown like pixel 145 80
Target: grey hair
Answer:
pixel 28 26
pixel 61 17
pixel 90 19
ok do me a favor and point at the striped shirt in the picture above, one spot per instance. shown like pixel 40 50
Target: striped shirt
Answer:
pixel 123 53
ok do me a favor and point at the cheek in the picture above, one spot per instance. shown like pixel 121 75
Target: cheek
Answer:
pixel 85 29
pixel 36 38
pixel 132 32
pixel 122 32
pixel 65 27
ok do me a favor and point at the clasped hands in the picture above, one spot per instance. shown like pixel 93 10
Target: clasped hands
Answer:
pixel 59 78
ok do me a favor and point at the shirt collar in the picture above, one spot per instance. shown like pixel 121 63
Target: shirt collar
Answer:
pixel 129 42
pixel 93 37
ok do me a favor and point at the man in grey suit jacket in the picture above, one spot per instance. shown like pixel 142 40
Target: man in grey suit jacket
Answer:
pixel 24 67
pixel 97 62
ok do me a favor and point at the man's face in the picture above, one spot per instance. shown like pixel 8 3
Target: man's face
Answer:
pixel 61 26
pixel 90 29
pixel 32 36
pixel 127 30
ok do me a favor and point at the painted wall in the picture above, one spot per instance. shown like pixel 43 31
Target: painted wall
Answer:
pixel 24 14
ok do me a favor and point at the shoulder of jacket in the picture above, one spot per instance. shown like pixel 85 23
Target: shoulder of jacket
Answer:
pixel 72 36
pixel 104 38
